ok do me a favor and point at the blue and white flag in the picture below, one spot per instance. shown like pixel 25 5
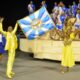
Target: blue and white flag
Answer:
pixel 36 24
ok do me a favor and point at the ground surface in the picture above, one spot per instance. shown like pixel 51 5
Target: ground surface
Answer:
pixel 27 68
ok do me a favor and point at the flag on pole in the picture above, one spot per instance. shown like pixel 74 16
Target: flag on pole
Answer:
pixel 36 24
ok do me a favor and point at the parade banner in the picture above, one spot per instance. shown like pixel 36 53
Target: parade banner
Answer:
pixel 36 24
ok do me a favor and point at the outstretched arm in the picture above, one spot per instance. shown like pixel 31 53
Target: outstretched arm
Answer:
pixel 1 27
pixel 15 28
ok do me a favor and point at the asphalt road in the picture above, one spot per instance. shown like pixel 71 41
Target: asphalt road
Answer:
pixel 27 68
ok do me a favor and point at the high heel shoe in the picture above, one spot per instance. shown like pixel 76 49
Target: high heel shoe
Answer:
pixel 12 73
pixel 9 76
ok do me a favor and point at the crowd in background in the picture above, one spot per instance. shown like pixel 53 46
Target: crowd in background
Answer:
pixel 59 13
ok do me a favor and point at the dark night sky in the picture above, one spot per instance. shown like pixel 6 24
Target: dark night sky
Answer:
pixel 13 10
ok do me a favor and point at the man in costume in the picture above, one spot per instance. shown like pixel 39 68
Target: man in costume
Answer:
pixel 11 46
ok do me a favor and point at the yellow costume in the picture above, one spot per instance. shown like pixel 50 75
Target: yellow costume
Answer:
pixel 67 55
pixel 11 45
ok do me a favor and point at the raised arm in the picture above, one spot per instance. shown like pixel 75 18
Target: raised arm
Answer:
pixel 15 28
pixel 1 27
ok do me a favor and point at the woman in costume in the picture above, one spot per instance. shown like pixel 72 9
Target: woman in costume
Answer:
pixel 74 9
pixel 31 7
pixel 68 36
pixel 11 46
pixel 77 23
pixel 60 23
pixel 61 18
pixel 2 44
